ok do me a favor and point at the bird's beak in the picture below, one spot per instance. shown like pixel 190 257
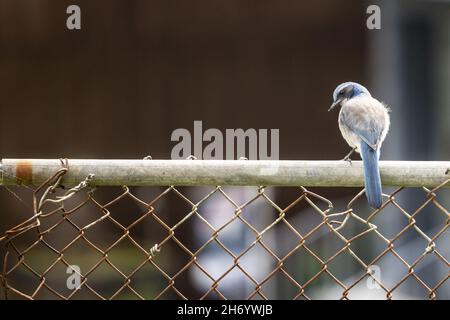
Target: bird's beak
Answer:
pixel 336 103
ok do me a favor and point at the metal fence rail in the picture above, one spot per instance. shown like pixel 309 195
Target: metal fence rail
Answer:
pixel 74 237
pixel 223 172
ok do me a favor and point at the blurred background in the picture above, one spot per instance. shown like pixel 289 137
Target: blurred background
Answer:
pixel 137 70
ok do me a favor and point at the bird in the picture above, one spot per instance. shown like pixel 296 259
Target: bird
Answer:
pixel 364 123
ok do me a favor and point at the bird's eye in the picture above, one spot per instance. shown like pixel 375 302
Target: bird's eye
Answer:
pixel 341 92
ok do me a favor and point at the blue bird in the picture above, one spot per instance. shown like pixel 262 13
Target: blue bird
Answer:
pixel 364 123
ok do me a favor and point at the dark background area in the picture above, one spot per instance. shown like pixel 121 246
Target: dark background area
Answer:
pixel 137 70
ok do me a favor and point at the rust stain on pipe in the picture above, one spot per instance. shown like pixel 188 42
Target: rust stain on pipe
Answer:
pixel 24 172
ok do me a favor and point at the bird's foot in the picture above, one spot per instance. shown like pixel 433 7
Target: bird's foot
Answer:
pixel 347 159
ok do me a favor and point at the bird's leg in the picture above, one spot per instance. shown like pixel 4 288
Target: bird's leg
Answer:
pixel 347 157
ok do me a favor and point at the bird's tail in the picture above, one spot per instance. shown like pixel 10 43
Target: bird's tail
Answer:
pixel 372 180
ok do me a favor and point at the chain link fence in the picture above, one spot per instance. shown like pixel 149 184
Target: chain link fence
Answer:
pixel 199 242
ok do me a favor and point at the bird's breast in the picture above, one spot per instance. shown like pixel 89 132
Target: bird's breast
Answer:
pixel 350 137
pixel 364 116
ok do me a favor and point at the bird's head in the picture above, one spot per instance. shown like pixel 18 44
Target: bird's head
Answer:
pixel 346 91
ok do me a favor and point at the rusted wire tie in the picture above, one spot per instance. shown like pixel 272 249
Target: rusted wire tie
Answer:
pixel 33 221
pixel 60 199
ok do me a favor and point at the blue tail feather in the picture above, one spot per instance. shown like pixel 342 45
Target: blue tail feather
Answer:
pixel 372 180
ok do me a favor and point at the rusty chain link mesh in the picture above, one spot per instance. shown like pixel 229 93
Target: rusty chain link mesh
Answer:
pixel 149 243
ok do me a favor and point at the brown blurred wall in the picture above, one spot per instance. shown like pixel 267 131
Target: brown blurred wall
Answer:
pixel 137 70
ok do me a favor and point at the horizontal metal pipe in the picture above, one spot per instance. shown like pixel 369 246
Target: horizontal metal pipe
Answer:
pixel 223 172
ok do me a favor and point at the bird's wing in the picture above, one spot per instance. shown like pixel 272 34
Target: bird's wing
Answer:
pixel 365 120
